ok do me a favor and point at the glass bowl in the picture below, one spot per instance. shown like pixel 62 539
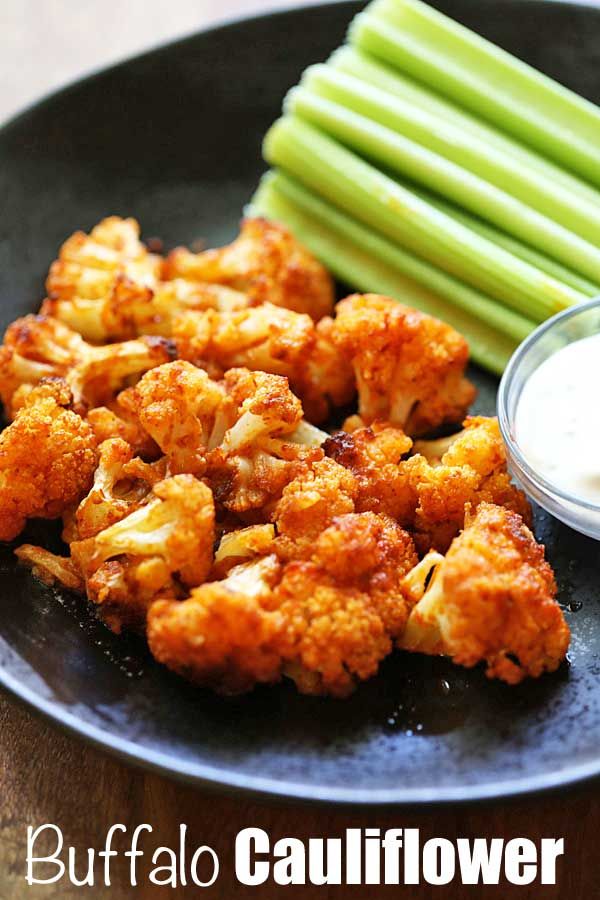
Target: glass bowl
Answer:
pixel 568 326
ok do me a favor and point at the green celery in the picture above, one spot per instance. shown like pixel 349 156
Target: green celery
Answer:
pixel 371 71
pixel 365 262
pixel 393 151
pixel 461 147
pixel 476 74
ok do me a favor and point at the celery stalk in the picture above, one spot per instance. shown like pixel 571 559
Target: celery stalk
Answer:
pixel 370 71
pixel 378 201
pixel 523 251
pixel 465 149
pixel 445 286
pixel 364 263
pixel 485 79
pixel 393 151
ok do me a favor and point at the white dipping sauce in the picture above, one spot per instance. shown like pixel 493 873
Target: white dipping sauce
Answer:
pixel 557 422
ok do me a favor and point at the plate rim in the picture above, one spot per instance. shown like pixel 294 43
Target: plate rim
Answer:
pixel 228 780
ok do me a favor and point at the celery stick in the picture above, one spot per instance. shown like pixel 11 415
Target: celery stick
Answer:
pixel 445 286
pixel 463 148
pixel 523 251
pixel 485 79
pixel 370 71
pixel 378 201
pixel 409 159
pixel 363 265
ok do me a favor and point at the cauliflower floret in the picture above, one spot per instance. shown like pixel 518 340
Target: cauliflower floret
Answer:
pixel 128 312
pixel 265 447
pixel 244 434
pixel 271 339
pixel 97 379
pixel 50 568
pixel 183 410
pixel 37 347
pixel 90 269
pixel 374 455
pixel 409 367
pixel 266 338
pixel 469 467
pixel 47 459
pixel 121 484
pixel 242 544
pixel 491 599
pixel 327 381
pixel 326 621
pixel 166 542
pixel 266 263
pixel 117 421
pixel 321 490
pixel 222 636
pixel 372 553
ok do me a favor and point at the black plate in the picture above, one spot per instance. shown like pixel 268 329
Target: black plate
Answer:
pixel 173 138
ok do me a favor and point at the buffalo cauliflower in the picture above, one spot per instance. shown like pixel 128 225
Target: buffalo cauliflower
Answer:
pixel 409 367
pixel 164 545
pixel 121 484
pixel 375 456
pixel 326 621
pixel 266 263
pixel 271 339
pixel 427 492
pixel 37 347
pixel 47 459
pixel 244 434
pixel 91 271
pixel 469 467
pixel 490 599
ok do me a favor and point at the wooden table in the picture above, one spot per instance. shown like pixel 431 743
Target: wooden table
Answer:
pixel 48 777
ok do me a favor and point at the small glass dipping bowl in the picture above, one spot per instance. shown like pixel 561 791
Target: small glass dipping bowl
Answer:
pixel 571 325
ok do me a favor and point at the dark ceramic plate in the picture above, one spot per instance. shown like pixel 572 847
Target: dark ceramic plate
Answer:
pixel 173 138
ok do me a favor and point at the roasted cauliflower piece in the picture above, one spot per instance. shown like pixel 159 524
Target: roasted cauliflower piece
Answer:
pixel 184 411
pixel 50 568
pixel 321 490
pixel 323 621
pixel 375 456
pixel 343 606
pixel 110 266
pixel 271 339
pixel 108 287
pixel 267 338
pixel 373 553
pixel 223 636
pixel 427 492
pixel 121 484
pixel 409 367
pixel 37 347
pixel 265 446
pixel 490 599
pixel 266 263
pixel 34 348
pixel 47 459
pixel 164 544
pixel 244 434
pixel 242 544
pixel 466 468
pixel 327 381
pixel 117 421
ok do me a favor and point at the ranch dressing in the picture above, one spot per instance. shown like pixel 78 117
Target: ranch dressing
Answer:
pixel 557 422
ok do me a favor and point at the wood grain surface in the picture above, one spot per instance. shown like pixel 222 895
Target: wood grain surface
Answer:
pixel 46 776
